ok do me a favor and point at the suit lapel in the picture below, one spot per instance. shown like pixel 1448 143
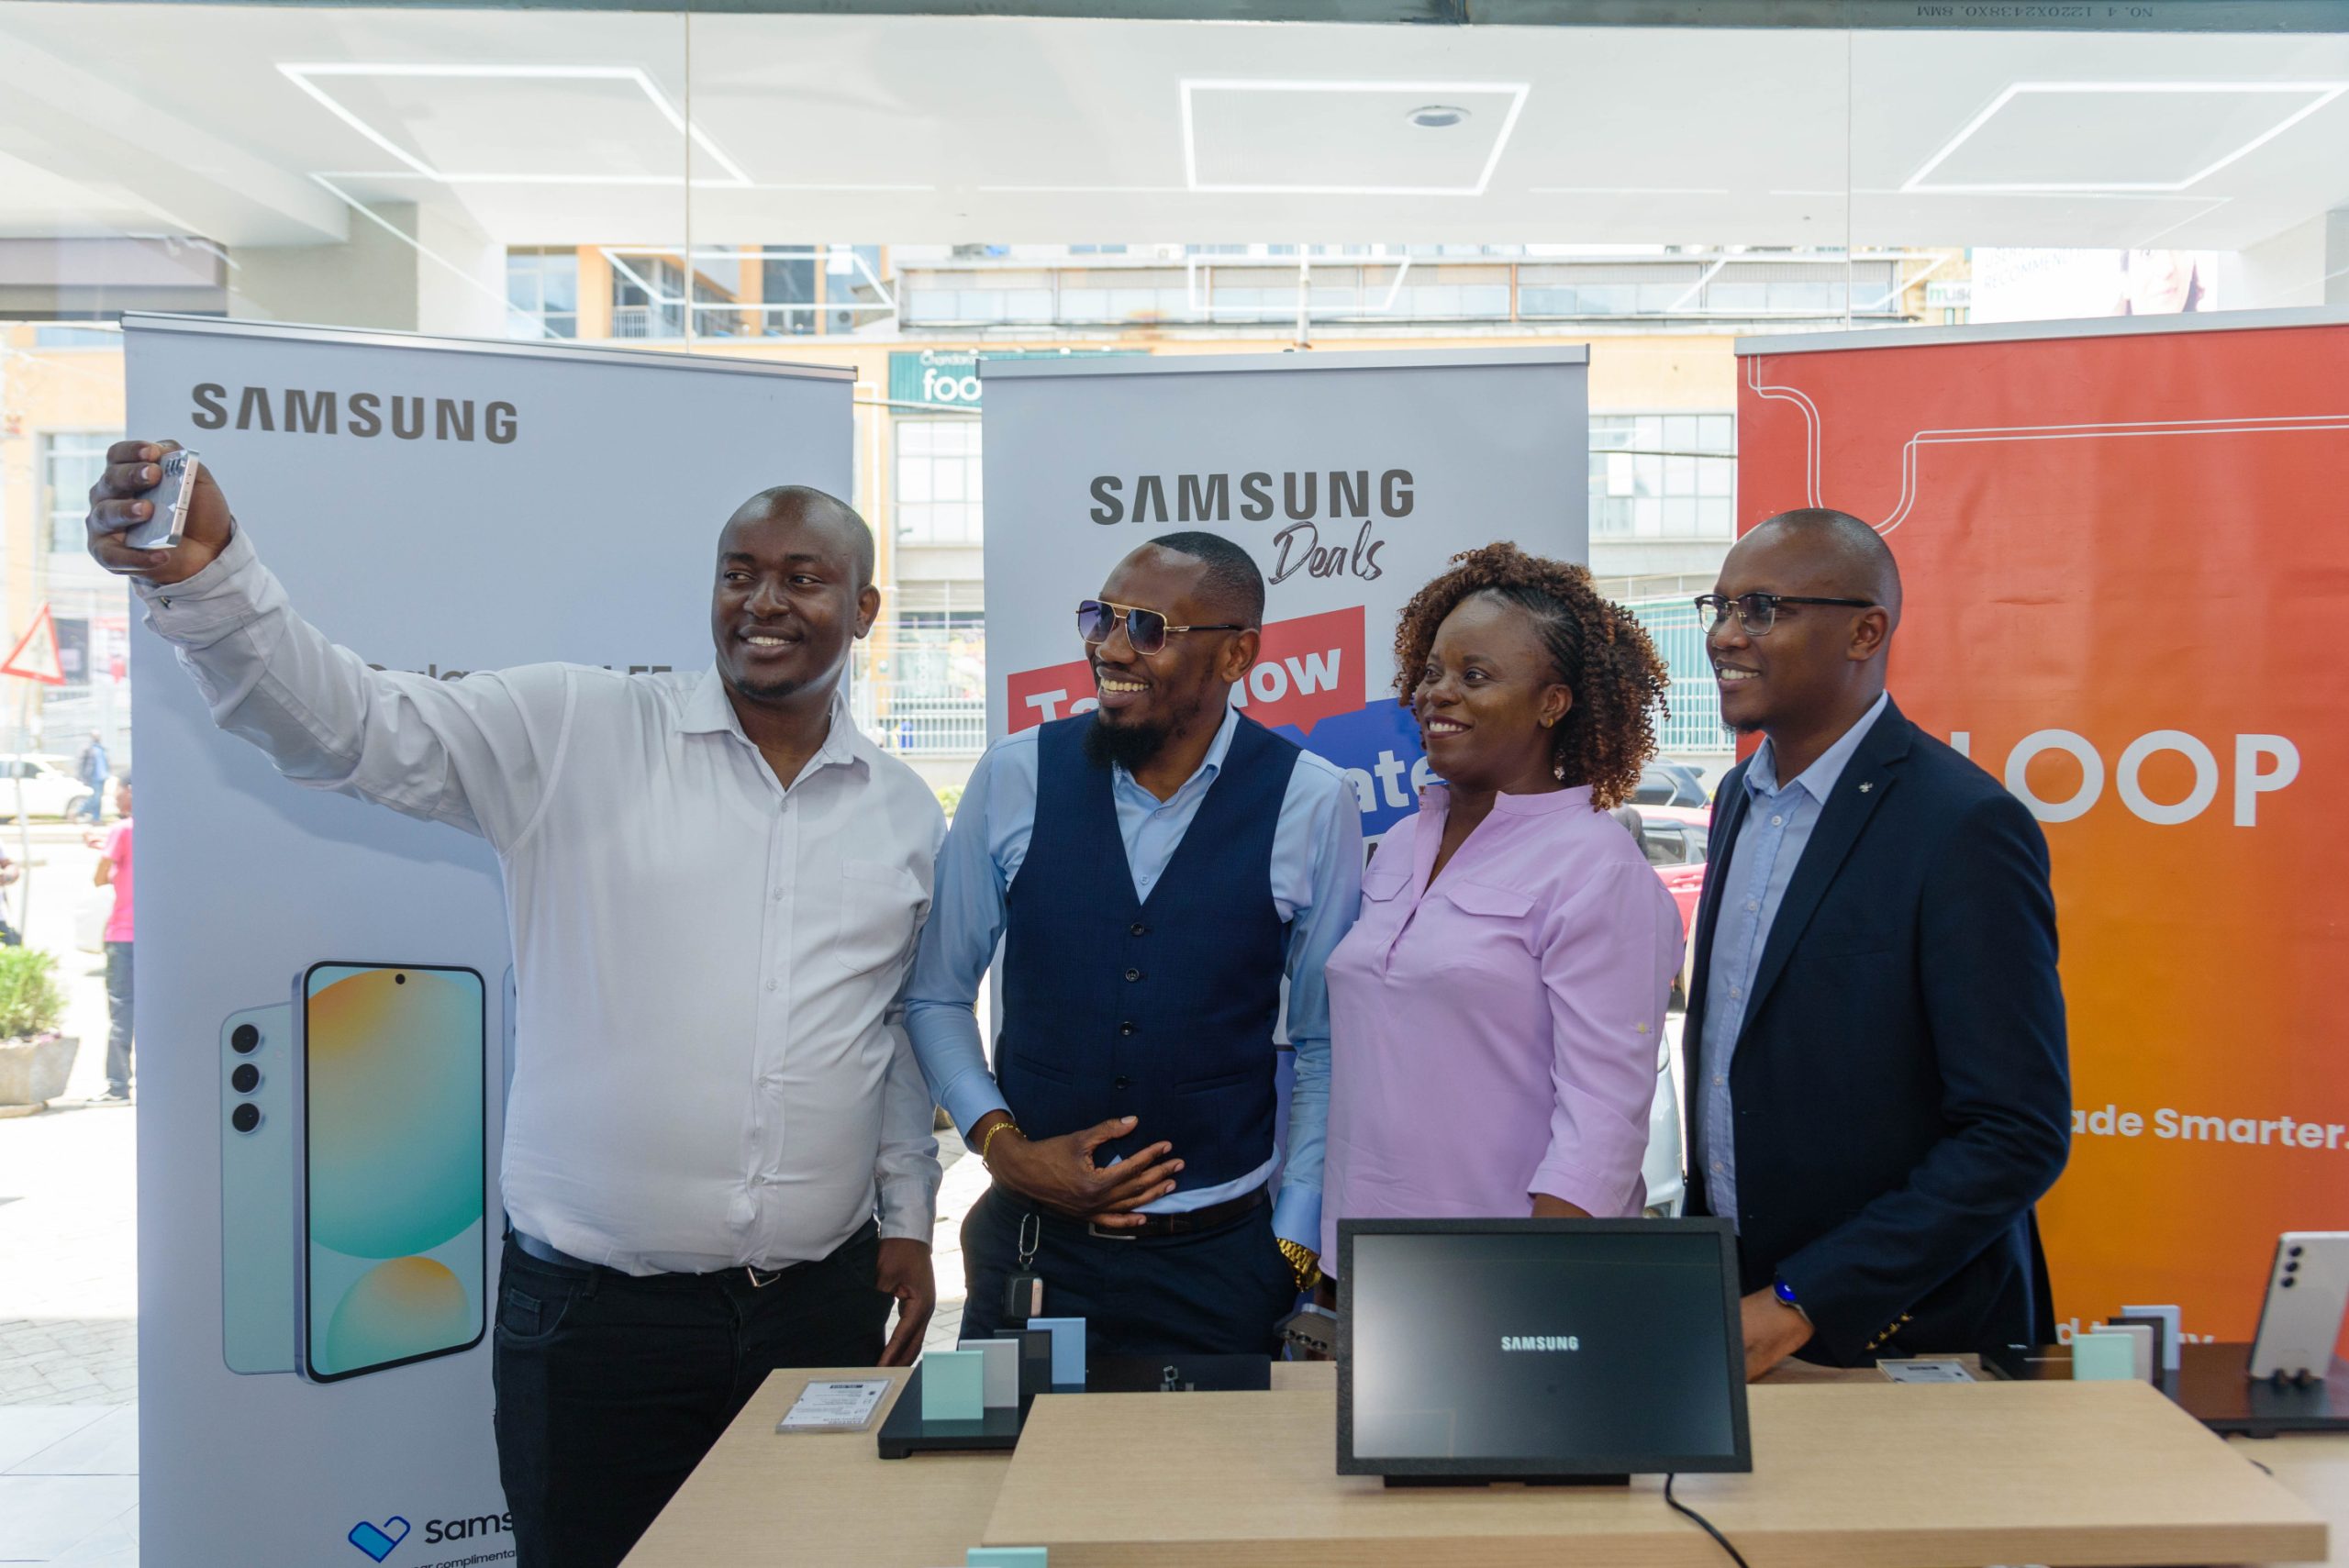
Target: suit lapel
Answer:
pixel 1867 779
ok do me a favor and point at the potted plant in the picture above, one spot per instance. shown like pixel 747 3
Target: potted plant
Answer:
pixel 35 1060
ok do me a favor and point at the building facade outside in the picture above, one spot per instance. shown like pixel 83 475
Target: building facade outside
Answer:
pixel 915 322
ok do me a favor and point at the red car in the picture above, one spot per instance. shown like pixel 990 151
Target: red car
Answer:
pixel 1674 837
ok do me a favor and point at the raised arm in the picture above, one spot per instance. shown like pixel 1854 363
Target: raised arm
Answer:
pixel 477 753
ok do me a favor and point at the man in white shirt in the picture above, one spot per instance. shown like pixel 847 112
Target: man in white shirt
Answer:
pixel 714 884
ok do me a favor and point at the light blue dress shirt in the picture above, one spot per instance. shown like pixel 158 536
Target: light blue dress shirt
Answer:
pixel 1316 886
pixel 1779 823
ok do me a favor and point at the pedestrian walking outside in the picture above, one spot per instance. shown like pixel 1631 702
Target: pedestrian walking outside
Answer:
pixel 114 871
pixel 93 769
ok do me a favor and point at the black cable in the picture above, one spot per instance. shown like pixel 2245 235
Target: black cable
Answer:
pixel 1679 1507
pixel 2263 1468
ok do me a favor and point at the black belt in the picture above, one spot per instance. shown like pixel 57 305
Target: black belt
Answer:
pixel 1191 1222
pixel 547 1252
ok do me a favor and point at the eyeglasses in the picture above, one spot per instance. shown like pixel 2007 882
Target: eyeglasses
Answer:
pixel 1096 620
pixel 1757 613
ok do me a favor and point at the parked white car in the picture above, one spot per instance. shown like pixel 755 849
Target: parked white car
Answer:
pixel 50 787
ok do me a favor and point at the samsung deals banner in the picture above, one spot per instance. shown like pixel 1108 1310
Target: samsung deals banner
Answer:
pixel 1352 478
pixel 316 1270
pixel 2126 562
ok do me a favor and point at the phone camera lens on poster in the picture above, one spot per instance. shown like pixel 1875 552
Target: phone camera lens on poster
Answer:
pixel 245 1079
pixel 246 1037
pixel 244 1118
pixel 399 979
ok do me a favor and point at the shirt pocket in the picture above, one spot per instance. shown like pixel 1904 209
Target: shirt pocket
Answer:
pixel 1479 898
pixel 879 905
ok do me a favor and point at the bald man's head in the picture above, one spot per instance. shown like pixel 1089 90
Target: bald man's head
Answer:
pixel 794 590
pixel 1849 555
pixel 1825 595
pixel 806 504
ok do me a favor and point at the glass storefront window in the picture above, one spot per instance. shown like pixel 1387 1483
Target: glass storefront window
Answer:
pixel 937 481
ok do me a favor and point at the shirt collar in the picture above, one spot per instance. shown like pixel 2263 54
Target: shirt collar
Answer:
pixel 1820 778
pixel 1209 765
pixel 708 711
pixel 1543 803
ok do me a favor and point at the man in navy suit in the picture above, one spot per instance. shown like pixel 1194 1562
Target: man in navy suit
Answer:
pixel 1879 1085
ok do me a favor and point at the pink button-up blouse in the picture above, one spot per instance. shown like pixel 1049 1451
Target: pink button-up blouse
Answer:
pixel 1497 1034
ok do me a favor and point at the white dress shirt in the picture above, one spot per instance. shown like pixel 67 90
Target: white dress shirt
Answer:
pixel 710 1064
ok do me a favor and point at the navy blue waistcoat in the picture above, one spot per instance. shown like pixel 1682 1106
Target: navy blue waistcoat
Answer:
pixel 1162 1010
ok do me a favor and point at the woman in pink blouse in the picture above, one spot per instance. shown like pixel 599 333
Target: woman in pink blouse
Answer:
pixel 1496 1012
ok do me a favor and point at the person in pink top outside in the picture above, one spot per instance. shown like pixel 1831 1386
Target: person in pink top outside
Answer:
pixel 1496 1012
pixel 114 871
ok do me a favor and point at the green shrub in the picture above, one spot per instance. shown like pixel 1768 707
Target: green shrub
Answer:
pixel 949 797
pixel 30 1001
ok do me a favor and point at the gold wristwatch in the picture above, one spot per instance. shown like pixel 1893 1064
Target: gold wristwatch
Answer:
pixel 1303 1263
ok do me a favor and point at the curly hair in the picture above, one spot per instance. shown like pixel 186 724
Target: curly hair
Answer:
pixel 1597 650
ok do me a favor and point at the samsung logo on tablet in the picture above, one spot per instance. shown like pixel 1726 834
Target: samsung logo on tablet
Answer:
pixel 295 411
pixel 1540 1341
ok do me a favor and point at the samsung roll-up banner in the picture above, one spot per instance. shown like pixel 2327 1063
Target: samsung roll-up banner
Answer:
pixel 315 1269
pixel 1352 478
pixel 2125 560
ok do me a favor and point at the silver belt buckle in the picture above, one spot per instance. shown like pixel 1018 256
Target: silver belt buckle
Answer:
pixel 1098 1234
pixel 758 1283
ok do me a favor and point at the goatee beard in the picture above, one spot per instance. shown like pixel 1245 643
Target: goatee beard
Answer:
pixel 1127 746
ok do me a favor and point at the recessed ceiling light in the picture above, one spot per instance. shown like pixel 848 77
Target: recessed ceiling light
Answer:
pixel 1437 117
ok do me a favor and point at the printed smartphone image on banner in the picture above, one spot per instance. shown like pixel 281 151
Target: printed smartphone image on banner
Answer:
pixel 257 1244
pixel 393 1146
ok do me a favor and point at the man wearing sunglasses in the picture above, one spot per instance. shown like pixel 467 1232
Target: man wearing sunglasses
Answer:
pixel 1879 1082
pixel 1155 869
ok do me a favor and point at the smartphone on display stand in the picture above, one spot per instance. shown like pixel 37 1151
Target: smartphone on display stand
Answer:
pixel 171 496
pixel 2308 1291
pixel 392 1181
pixel 257 1300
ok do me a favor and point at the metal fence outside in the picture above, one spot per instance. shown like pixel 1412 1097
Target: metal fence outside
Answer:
pixel 915 723
pixel 1693 723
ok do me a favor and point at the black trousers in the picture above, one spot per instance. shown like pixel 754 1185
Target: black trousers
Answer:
pixel 1224 1293
pixel 611 1388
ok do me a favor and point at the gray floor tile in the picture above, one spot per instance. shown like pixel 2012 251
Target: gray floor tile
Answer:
pixel 107 1446
pixel 42 1516
pixel 26 1430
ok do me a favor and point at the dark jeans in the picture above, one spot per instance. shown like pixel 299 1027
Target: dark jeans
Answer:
pixel 118 1017
pixel 1224 1293
pixel 611 1388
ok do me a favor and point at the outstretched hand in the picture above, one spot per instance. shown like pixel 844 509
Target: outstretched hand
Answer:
pixel 118 503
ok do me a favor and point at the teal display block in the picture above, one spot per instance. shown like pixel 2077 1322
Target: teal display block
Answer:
pixel 1004 1557
pixel 2104 1358
pixel 1068 1349
pixel 953 1385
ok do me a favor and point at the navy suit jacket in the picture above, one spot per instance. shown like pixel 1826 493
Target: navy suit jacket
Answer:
pixel 1901 1091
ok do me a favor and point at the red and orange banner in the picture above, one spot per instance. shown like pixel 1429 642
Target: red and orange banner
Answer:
pixel 2126 559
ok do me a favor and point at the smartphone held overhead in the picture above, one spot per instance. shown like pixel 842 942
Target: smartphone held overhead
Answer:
pixel 164 528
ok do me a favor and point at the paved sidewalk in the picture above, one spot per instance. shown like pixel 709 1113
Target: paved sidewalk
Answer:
pixel 69 1305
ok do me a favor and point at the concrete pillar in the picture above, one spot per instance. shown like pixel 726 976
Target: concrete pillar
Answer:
pixel 421 269
pixel 368 281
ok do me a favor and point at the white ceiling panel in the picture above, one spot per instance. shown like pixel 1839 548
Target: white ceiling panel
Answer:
pixel 546 127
